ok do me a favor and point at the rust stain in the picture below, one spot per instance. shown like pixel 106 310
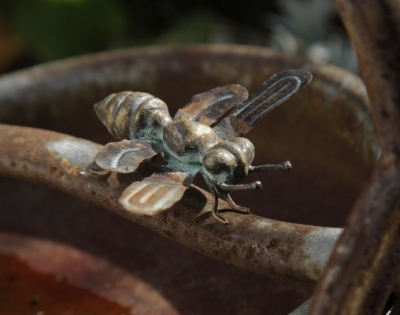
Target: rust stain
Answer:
pixel 70 169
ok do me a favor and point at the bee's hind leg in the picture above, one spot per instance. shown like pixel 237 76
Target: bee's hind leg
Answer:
pixel 234 206
pixel 95 169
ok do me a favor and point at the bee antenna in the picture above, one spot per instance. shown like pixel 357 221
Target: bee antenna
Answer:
pixel 285 166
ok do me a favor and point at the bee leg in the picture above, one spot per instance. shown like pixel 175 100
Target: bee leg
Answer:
pixel 151 159
pixel 215 210
pixel 94 169
pixel 228 188
pixel 234 206
pixel 224 190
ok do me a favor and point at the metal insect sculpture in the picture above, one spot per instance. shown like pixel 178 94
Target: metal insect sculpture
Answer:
pixel 188 143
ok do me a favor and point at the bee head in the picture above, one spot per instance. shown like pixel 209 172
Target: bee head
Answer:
pixel 228 162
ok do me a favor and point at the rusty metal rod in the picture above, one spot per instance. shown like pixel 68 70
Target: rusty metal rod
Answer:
pixel 363 267
pixel 264 246
pixel 374 28
pixel 303 309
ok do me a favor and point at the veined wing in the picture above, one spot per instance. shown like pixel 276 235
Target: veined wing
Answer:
pixel 124 156
pixel 273 92
pixel 155 193
pixel 209 106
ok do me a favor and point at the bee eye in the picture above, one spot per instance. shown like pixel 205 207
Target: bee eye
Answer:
pixel 219 161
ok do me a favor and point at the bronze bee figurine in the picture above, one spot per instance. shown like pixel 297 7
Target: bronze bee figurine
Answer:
pixel 188 143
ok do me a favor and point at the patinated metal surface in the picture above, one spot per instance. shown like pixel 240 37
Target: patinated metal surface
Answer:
pixel 123 157
pixel 273 92
pixel 156 193
pixel 133 115
pixel 201 107
pixel 316 130
pixel 188 143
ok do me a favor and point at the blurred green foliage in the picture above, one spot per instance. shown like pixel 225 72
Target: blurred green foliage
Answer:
pixel 54 29
pixel 44 30
pixel 192 28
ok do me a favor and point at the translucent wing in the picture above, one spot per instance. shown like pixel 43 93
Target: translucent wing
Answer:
pixel 209 106
pixel 156 193
pixel 124 156
pixel 273 92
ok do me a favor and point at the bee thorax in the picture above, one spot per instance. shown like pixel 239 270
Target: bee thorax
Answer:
pixel 188 141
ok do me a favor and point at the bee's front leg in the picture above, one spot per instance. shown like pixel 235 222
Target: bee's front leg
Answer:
pixel 214 210
pixel 222 191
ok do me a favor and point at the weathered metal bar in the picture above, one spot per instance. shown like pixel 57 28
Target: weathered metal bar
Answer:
pixel 292 251
pixel 362 269
pixel 374 28
pixel 303 309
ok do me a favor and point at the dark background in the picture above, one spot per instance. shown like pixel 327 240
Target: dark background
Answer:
pixel 36 31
